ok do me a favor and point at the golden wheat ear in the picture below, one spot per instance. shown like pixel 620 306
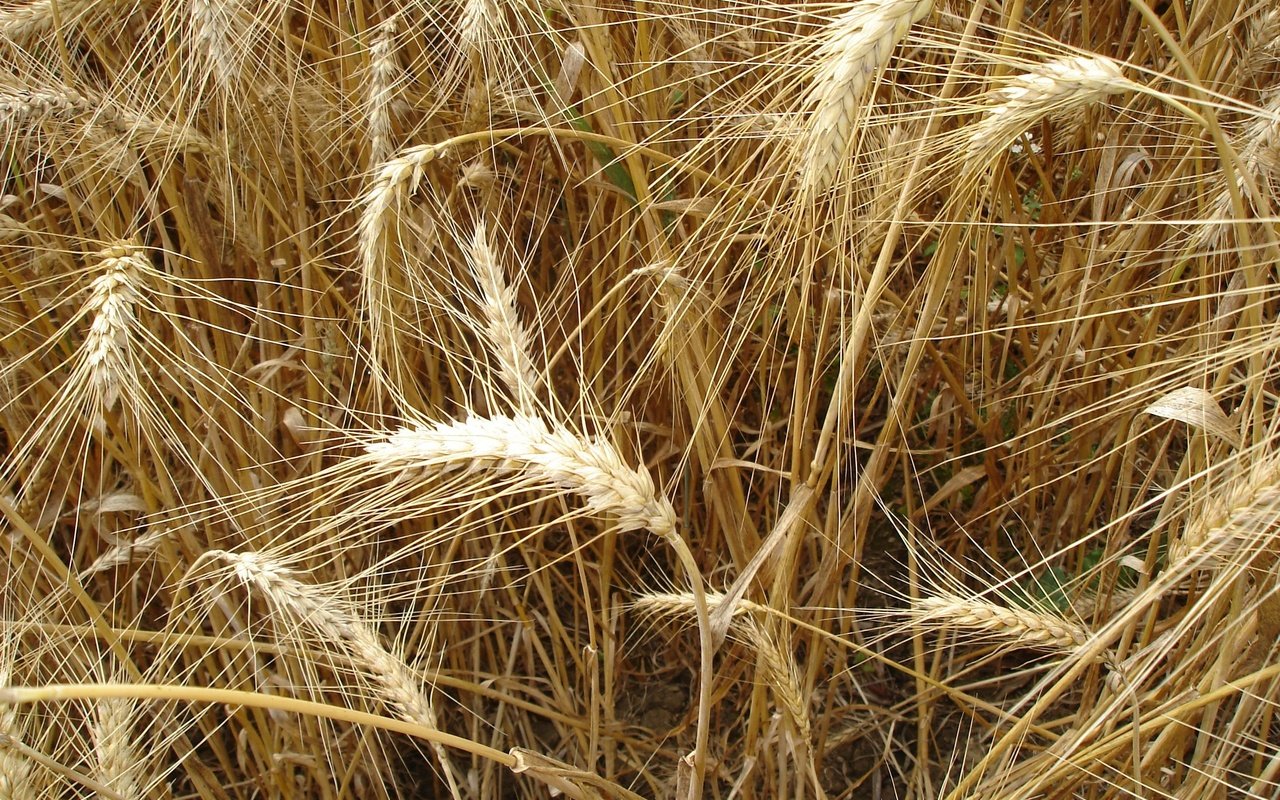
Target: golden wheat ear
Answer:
pixel 855 47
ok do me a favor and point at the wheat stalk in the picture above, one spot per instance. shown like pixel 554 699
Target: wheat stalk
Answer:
pixel 855 47
pixel 397 683
pixel 384 75
pixel 1022 627
pixel 508 339
pixel 1052 89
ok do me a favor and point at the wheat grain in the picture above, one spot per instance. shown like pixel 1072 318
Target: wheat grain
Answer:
pixel 855 47
pixel 590 468
pixel 1051 90
pixel 105 356
pixel 1022 627
pixel 384 78
pixel 508 339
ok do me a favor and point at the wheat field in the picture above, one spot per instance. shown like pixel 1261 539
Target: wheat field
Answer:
pixel 640 399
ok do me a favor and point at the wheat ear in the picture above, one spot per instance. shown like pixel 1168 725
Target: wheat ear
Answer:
pixel 475 25
pixel 378 206
pixel 1019 626
pixel 25 23
pixel 855 46
pixel 778 667
pixel 590 468
pixel 1050 90
pixel 23 107
pixel 16 779
pixel 214 38
pixel 116 760
pixel 508 339
pixel 400 688
pixel 105 355
pixel 384 78
pixel 1240 520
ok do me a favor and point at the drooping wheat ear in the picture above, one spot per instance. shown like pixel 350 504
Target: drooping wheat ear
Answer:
pixel 117 762
pixel 105 356
pixel 855 46
pixel 590 468
pixel 1019 626
pixel 311 605
pixel 24 23
pixel 215 39
pixel 21 108
pixel 508 339
pixel 1237 524
pixel 1051 90
pixel 378 207
pixel 777 664
pixel 384 80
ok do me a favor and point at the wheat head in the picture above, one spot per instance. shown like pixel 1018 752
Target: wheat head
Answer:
pixel 855 46
pixel 507 337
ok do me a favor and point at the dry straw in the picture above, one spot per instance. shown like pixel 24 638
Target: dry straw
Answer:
pixel 855 46
pixel 507 337
pixel 1050 90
